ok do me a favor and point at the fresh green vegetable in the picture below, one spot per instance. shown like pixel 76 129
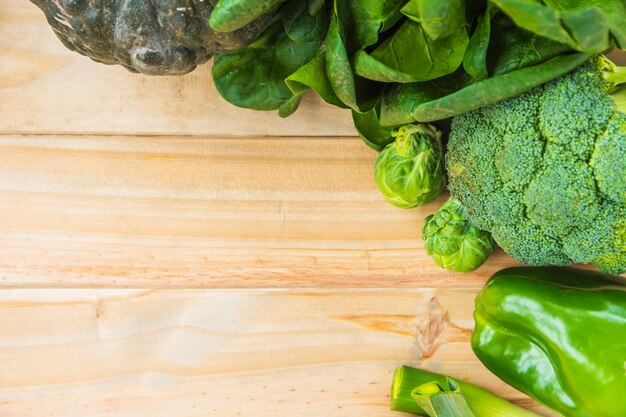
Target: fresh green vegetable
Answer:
pixel 428 60
pixel 482 402
pixel 442 400
pixel 369 129
pixel 558 335
pixel 545 172
pixel 453 241
pixel 410 172
pixel 282 52
pixel 568 21
pixel 229 15
pixel 439 18
pixel 401 57
pixel 426 102
pixel 152 37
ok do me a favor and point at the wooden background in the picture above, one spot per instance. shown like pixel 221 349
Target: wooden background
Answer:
pixel 163 253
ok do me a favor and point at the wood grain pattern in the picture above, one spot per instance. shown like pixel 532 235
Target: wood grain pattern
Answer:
pixel 226 353
pixel 44 88
pixel 191 212
pixel 155 242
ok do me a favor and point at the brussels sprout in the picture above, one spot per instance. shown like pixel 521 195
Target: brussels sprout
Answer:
pixel 410 171
pixel 453 242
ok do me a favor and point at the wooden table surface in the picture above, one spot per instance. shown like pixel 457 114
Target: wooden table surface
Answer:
pixel 163 253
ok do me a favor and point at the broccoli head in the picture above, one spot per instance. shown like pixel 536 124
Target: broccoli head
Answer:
pixel 545 172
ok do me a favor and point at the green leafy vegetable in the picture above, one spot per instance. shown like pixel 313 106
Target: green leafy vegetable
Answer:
pixel 537 18
pixel 370 130
pixel 254 77
pixel 513 48
pixel 584 25
pixel 229 15
pixel 409 172
pixel 338 62
pixel 439 18
pixel 453 241
pixel 409 55
pixel 475 59
pixel 355 25
pixel 313 75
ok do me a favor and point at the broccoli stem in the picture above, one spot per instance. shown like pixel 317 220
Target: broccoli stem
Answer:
pixel 614 75
pixel 483 402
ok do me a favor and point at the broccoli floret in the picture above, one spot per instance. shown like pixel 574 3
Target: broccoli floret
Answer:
pixel 545 172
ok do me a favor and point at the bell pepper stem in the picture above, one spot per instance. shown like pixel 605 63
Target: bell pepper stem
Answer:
pixel 483 403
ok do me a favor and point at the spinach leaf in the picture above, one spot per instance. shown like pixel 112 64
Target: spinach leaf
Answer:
pixel 254 77
pixel 370 130
pixel 316 6
pixel 229 15
pixel 313 75
pixel 513 48
pixel 338 62
pixel 584 25
pixel 537 18
pixel 354 25
pixel 300 25
pixel 475 58
pixel 614 12
pixel 439 18
pixel 409 55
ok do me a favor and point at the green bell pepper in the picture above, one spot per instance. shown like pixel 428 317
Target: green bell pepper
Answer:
pixel 558 335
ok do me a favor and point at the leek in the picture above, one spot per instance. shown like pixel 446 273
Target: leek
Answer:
pixel 481 403
pixel 439 401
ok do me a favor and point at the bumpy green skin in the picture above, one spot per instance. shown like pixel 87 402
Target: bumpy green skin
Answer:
pixel 545 172
pixel 557 334
pixel 410 171
pixel 453 242
pixel 158 37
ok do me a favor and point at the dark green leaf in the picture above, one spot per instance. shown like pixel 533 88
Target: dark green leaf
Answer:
pixel 371 131
pixel 475 59
pixel 288 107
pixel 350 21
pixel 229 15
pixel 315 7
pixel 254 77
pixel 313 75
pixel 400 100
pixel 582 24
pixel 338 63
pixel 589 28
pixel 613 10
pixel 410 55
pixel 439 18
pixel 300 25
pixel 513 48
pixel 537 18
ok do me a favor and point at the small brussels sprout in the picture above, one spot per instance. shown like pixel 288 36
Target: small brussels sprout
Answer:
pixel 410 171
pixel 453 241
